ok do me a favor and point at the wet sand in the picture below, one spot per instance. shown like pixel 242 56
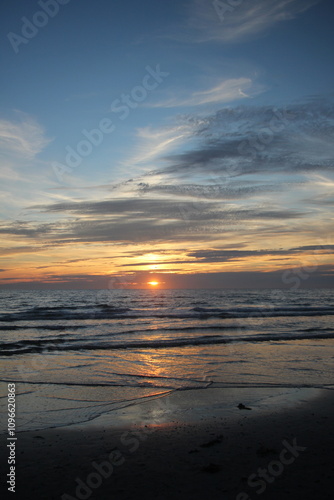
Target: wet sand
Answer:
pixel 189 445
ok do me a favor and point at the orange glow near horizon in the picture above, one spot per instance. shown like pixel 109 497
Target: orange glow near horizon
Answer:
pixel 72 263
pixel 153 283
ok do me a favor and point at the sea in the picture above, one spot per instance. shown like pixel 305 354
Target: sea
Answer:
pixel 79 354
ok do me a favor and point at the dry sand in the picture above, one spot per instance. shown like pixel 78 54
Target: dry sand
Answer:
pixel 187 446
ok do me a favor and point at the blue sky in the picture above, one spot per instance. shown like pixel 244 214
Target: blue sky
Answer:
pixel 157 137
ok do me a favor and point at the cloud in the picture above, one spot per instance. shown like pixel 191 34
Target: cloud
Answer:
pixel 155 142
pixel 262 139
pixel 219 256
pixel 143 220
pixel 220 22
pixel 24 138
pixel 226 91
pixel 127 210
pixel 24 175
pixel 31 249
pixel 231 255
pixel 212 187
pixel 212 190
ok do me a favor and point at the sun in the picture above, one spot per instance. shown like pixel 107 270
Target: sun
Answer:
pixel 153 283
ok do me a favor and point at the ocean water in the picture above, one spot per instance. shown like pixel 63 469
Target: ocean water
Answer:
pixel 75 355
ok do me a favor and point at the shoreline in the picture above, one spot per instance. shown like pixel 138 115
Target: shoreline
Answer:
pixel 187 445
pixel 47 408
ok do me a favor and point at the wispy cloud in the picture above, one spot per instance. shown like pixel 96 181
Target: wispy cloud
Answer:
pixel 155 142
pixel 23 138
pixel 241 22
pixel 228 90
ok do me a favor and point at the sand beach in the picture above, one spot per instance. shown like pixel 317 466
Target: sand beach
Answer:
pixel 189 445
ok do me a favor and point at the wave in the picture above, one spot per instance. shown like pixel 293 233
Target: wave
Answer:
pixel 61 328
pixel 256 312
pixel 107 311
pixel 42 327
pixel 102 311
pixel 63 344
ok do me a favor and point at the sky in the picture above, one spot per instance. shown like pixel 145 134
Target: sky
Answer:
pixel 185 143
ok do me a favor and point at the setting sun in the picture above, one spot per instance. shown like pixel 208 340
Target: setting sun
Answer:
pixel 153 283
